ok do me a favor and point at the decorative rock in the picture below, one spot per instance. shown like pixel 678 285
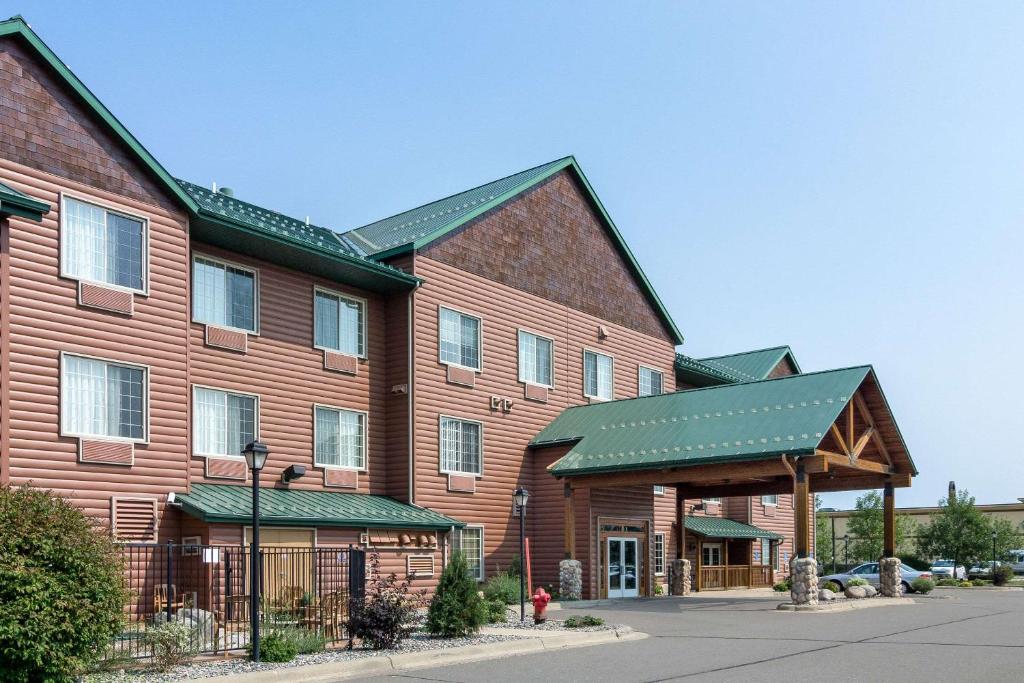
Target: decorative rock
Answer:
pixel 681 581
pixel 870 591
pixel 890 577
pixel 570 580
pixel 858 592
pixel 804 572
pixel 825 595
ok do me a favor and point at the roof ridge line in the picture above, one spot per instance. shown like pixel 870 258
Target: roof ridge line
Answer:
pixel 745 353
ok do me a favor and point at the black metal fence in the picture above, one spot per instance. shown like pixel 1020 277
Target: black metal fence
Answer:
pixel 206 588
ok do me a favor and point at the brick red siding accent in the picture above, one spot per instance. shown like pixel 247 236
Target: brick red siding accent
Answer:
pixel 348 479
pixel 341 362
pixel 105 298
pixel 109 452
pixel 226 339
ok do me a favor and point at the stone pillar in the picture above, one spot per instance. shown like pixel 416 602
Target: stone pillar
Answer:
pixel 890 577
pixel 570 580
pixel 680 577
pixel 804 571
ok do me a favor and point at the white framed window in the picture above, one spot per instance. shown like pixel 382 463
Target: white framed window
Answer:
pixel 712 501
pixel 770 500
pixel 339 323
pixel 340 438
pixel 659 489
pixel 224 294
pixel 470 542
pixel 223 422
pixel 598 372
pixel 650 382
pixel 711 554
pixel 103 246
pixel 774 551
pixel 535 359
pixel 103 399
pixel 766 551
pixel 461 446
pixel 459 338
pixel 659 554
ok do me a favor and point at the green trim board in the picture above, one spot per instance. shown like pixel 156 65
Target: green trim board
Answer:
pixel 729 423
pixel 720 527
pixel 225 503
pixel 17 26
pixel 15 203
pixel 414 229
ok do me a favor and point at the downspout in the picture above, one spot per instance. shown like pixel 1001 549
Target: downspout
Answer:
pixel 410 360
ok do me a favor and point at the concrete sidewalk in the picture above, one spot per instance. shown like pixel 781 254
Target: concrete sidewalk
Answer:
pixel 530 642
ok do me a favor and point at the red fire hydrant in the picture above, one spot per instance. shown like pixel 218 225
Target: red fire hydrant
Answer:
pixel 540 606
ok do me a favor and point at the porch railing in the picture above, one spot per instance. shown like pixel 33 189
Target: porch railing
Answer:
pixel 723 577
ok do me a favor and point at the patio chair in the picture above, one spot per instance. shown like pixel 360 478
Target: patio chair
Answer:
pixel 234 618
pixel 328 617
pixel 164 594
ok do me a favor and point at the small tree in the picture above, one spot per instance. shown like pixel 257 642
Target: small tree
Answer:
pixel 1007 537
pixel 867 528
pixel 62 588
pixel 387 613
pixel 958 531
pixel 822 535
pixel 457 608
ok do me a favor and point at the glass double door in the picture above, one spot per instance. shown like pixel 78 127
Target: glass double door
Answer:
pixel 623 568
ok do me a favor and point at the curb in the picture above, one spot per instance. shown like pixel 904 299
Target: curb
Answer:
pixel 389 664
pixel 844 606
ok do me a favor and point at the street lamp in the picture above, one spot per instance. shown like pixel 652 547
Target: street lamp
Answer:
pixel 846 550
pixel 521 496
pixel 993 555
pixel 255 458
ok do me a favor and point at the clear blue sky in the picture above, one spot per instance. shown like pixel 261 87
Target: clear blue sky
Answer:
pixel 845 178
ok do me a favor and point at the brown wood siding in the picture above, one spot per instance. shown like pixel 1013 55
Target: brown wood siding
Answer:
pixel 503 310
pixel 44 319
pixel 783 369
pixel 549 241
pixel 43 126
pixel 397 444
pixel 5 351
pixel 288 374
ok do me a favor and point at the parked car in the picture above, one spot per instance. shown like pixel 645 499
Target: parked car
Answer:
pixel 982 570
pixel 943 569
pixel 869 572
pixel 1016 560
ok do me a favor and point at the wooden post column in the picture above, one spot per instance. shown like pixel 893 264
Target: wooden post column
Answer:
pixel 802 513
pixel 889 521
pixel 570 524
pixel 680 523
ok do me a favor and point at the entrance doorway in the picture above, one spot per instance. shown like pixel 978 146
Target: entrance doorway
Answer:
pixel 623 568
pixel 287 564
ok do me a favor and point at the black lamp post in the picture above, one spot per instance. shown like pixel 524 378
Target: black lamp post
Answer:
pixel 521 496
pixel 846 550
pixel 833 545
pixel 993 555
pixel 255 458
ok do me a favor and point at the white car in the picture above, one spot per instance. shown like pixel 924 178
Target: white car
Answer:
pixel 943 569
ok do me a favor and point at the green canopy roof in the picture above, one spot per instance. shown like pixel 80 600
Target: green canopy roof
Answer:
pixel 285 507
pixel 751 365
pixel 732 422
pixel 719 527
pixel 15 203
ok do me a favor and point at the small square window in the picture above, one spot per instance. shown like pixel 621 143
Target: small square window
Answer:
pixel 772 500
pixel 340 438
pixel 98 245
pixel 459 339
pixel 650 382
pixel 102 399
pixel 598 374
pixel 223 422
pixel 535 359
pixel 659 490
pixel 223 294
pixel 339 323
pixel 461 446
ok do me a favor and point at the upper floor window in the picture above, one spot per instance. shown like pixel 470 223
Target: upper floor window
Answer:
pixel 535 358
pixel 102 246
pixel 461 449
pixel 650 382
pixel 223 294
pixel 770 500
pixel 713 501
pixel 460 339
pixel 597 375
pixel 339 323
pixel 659 489
pixel 102 399
pixel 340 438
pixel 224 422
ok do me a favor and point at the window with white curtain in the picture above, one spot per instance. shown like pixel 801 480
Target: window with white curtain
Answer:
pixel 597 375
pixel 460 446
pixel 339 323
pixel 770 500
pixel 340 438
pixel 460 339
pixel 535 359
pixel 102 246
pixel 650 382
pixel 470 542
pixel 223 422
pixel 102 399
pixel 223 294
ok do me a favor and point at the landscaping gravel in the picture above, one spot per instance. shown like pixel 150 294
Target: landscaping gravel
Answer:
pixel 512 621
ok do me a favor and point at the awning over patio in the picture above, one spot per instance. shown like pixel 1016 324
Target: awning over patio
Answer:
pixel 283 507
pixel 719 527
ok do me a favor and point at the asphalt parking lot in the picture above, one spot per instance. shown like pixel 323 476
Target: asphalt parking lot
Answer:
pixel 957 635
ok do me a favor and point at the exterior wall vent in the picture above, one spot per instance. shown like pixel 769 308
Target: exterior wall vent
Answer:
pixel 420 565
pixel 134 520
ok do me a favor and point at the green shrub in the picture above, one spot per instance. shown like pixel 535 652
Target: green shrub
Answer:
pixel 659 589
pixel 1002 574
pixel 832 586
pixel 306 641
pixel 496 611
pixel 62 588
pixel 922 585
pixel 276 647
pixel 457 609
pixel 387 614
pixel 780 587
pixel 980 582
pixel 172 644
pixel 856 581
pixel 582 621
pixel 504 587
pixel 965 584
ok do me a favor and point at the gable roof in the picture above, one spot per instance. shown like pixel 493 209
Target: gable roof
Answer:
pixel 733 422
pixel 17 27
pixel 691 371
pixel 416 228
pixel 15 203
pixel 721 527
pixel 752 365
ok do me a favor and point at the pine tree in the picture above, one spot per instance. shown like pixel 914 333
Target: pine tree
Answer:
pixel 457 609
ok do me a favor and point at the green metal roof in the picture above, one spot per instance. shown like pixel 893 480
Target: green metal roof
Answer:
pixel 692 371
pixel 719 527
pixel 732 422
pixel 418 227
pixel 752 365
pixel 285 507
pixel 15 203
